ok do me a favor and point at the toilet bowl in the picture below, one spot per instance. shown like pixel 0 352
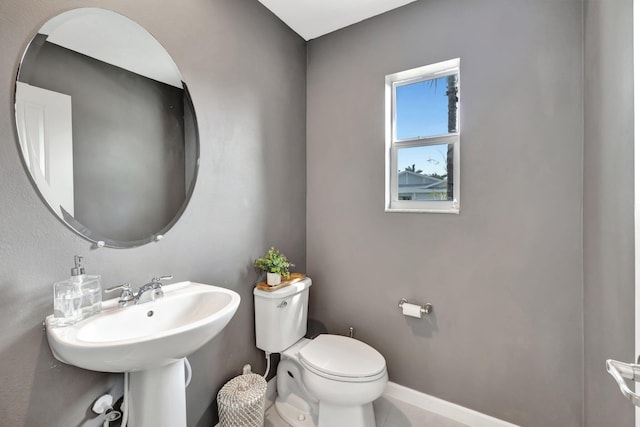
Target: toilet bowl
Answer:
pixel 328 381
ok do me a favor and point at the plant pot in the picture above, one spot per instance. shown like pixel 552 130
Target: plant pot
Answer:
pixel 273 279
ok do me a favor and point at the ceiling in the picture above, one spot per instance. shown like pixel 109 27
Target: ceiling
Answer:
pixel 314 18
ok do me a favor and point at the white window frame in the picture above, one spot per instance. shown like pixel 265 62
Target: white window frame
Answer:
pixel 392 204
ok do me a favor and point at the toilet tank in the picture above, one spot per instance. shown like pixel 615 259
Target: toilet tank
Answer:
pixel 281 316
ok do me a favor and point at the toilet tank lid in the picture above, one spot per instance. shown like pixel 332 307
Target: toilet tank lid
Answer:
pixel 342 356
pixel 286 291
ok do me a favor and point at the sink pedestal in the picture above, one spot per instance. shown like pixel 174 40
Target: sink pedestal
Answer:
pixel 157 397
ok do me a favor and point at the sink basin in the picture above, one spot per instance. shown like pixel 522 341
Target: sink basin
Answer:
pixel 145 336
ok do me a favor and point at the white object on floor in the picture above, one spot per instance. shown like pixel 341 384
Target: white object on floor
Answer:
pixel 241 401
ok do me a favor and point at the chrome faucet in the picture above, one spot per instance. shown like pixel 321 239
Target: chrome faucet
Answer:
pixel 147 292
pixel 151 290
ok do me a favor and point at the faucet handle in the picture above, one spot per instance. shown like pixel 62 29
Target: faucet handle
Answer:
pixel 124 287
pixel 125 296
pixel 167 277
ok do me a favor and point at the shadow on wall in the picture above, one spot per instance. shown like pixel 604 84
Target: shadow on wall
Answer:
pixel 315 328
pixel 45 401
pixel 425 326
pixel 217 362
pixel 34 384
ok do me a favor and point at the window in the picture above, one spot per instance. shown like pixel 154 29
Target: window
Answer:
pixel 423 139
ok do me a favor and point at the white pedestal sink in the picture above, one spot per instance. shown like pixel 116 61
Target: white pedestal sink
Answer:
pixel 150 341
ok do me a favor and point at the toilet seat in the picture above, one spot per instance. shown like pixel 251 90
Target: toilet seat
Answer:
pixel 342 359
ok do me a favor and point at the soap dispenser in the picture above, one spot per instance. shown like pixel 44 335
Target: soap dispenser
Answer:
pixel 89 288
pixel 66 303
pixel 76 298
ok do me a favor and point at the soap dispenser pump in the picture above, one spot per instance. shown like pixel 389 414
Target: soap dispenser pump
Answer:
pixel 78 270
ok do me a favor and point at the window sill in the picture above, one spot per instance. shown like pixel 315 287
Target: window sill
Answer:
pixel 424 210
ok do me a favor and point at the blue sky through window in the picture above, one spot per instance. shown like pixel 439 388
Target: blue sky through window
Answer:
pixel 422 111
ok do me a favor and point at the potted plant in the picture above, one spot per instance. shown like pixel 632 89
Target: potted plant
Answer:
pixel 275 264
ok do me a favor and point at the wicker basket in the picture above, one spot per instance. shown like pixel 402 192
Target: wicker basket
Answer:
pixel 241 401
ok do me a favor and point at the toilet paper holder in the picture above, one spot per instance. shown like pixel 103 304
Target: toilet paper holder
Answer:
pixel 424 309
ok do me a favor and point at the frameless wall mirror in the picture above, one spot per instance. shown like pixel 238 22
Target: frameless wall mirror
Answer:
pixel 106 127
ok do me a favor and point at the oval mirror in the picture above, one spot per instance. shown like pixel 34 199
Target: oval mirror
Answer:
pixel 106 127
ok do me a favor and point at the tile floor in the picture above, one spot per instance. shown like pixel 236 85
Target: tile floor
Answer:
pixel 389 412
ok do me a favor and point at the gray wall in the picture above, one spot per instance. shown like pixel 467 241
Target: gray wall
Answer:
pixel 246 73
pixel 505 276
pixel 608 207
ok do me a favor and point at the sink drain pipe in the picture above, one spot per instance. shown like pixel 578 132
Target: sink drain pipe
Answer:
pixel 104 406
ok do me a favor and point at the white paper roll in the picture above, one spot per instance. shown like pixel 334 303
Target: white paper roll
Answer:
pixel 412 310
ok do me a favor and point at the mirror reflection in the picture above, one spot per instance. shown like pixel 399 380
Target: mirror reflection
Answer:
pixel 106 127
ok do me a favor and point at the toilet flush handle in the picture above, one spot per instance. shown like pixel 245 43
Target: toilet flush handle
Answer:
pixel 282 304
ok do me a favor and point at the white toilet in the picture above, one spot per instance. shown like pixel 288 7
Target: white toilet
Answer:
pixel 329 381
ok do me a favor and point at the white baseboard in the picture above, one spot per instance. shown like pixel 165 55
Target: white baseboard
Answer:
pixel 442 407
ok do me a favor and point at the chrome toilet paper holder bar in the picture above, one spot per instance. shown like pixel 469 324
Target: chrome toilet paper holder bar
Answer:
pixel 424 309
